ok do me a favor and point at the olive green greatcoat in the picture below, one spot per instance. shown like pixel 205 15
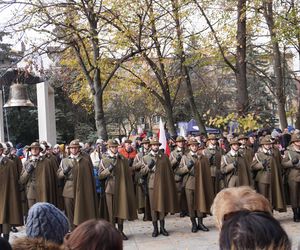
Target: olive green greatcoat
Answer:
pixel 214 156
pixel 270 176
pixel 161 181
pixel 10 200
pixel 41 184
pixel 18 168
pixel 55 165
pixel 198 179
pixel 235 177
pixel 119 184
pixel 136 166
pixel 181 196
pixel 248 154
pixel 80 186
pixel 204 191
pixel 293 174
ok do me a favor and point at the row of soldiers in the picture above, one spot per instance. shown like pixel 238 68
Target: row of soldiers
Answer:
pixel 148 182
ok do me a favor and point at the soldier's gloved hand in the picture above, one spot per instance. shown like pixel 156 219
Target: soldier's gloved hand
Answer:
pixel 211 160
pixel 295 161
pixel 151 164
pixel 130 162
pixel 190 164
pixel 29 168
pixel 178 158
pixel 110 167
pixel 265 163
pixel 67 170
pixel 235 164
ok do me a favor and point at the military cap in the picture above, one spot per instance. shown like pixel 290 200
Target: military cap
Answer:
pixel 295 137
pixel 9 144
pixel 155 141
pixel 112 143
pixel 128 141
pixel 234 140
pixel 243 137
pixel 193 141
pixel 145 141
pixel 35 145
pixel 212 137
pixel 45 144
pixel 267 140
pixel 74 144
pixel 99 141
pixel 180 139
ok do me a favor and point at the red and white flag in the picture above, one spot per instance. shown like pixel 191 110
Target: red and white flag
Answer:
pixel 162 138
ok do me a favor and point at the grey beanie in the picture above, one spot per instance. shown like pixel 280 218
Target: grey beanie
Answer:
pixel 46 221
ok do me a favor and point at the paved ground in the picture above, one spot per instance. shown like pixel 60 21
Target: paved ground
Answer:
pixel 139 233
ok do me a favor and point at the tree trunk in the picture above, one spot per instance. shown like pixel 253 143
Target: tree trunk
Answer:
pixel 241 73
pixel 282 114
pixel 99 115
pixel 279 91
pixel 297 123
pixel 192 103
pixel 170 119
pixel 184 69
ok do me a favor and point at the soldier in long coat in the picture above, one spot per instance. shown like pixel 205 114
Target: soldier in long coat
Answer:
pixel 291 161
pixel 40 178
pixel 79 191
pixel 47 153
pixel 198 184
pixel 175 158
pixel 142 196
pixel 119 190
pixel 244 150
pixel 214 154
pixel 18 168
pixel 267 169
pixel 161 186
pixel 247 153
pixel 234 167
pixel 10 200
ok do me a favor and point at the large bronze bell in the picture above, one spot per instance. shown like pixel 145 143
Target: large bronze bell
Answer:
pixel 18 96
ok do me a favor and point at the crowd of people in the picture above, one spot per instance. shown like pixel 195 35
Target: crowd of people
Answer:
pixel 116 181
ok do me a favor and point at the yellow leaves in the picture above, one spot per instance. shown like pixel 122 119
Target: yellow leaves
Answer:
pixel 292 112
pixel 245 123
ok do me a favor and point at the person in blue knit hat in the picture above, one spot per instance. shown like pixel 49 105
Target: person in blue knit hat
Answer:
pixel 46 221
pixel 46 226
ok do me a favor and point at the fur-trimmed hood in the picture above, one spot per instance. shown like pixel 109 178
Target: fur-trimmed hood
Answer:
pixel 34 244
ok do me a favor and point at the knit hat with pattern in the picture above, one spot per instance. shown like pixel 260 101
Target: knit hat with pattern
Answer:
pixel 46 221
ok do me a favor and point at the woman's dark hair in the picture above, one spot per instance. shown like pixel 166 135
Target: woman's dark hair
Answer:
pixel 94 235
pixel 4 245
pixel 252 230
